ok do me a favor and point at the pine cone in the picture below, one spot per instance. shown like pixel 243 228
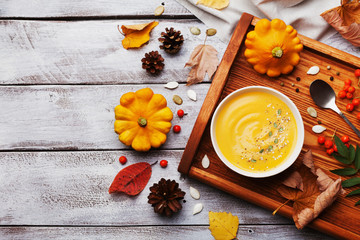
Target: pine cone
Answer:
pixel 164 197
pixel 171 40
pixel 153 62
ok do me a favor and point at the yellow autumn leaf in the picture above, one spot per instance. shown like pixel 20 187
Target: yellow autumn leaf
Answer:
pixel 137 35
pixel 216 4
pixel 223 226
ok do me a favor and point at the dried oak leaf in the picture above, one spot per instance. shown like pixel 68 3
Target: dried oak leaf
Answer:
pixel 132 179
pixel 216 4
pixel 310 202
pixel 203 59
pixel 294 181
pixel 137 35
pixel 346 20
pixel 223 226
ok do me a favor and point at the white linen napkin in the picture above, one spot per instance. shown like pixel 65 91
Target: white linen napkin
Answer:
pixel 303 15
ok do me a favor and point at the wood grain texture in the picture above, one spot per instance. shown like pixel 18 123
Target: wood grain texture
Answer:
pixel 83 8
pixel 71 188
pixel 80 117
pixel 250 232
pixel 335 221
pixel 89 52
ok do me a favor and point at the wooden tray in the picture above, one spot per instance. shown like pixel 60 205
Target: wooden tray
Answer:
pixel 342 219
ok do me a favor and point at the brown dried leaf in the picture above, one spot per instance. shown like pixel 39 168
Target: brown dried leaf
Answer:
pixel 324 181
pixel 309 161
pixel 310 202
pixel 294 181
pixel 203 59
pixel 346 20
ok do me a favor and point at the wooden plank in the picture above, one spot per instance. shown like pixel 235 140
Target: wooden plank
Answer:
pixel 71 188
pixel 89 52
pixel 332 221
pixel 80 117
pixel 83 8
pixel 250 232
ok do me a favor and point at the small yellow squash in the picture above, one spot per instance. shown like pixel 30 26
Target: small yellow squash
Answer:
pixel 142 119
pixel 273 47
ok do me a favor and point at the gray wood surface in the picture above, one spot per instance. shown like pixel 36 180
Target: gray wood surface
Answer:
pixel 62 72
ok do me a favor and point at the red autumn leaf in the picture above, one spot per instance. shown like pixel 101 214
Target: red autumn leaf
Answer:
pixel 132 179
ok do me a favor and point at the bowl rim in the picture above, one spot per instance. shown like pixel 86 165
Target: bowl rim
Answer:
pixel 300 132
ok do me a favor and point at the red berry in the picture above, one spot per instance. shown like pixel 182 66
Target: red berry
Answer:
pixel 356 102
pixel 328 143
pixel 163 163
pixel 335 148
pixel 349 95
pixel 357 73
pixel 347 144
pixel 351 89
pixel 342 94
pixel 345 139
pixel 358 115
pixel 347 82
pixel 176 129
pixel 346 88
pixel 180 113
pixel 349 107
pixel 321 140
pixel 122 160
pixel 329 151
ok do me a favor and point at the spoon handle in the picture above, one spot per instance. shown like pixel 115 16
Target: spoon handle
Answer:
pixel 350 124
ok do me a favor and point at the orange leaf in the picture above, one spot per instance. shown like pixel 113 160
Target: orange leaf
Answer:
pixel 310 202
pixel 203 59
pixel 346 20
pixel 137 35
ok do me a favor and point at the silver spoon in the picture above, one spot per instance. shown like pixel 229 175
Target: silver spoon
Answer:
pixel 324 96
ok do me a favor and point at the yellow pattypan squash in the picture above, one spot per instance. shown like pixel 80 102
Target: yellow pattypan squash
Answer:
pixel 142 119
pixel 273 47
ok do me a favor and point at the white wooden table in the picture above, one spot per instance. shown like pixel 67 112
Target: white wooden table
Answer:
pixel 62 72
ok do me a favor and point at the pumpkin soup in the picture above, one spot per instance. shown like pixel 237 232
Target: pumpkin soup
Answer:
pixel 256 131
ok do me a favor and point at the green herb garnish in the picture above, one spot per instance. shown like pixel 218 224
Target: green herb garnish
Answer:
pixel 281 129
pixel 253 160
pixel 261 151
pixel 270 133
pixel 278 111
pixel 276 141
pixel 351 157
pixel 270 148
pixel 275 125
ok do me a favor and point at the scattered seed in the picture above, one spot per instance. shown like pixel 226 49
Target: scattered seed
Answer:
pixel 205 162
pixel 195 31
pixel 312 112
pixel 282 84
pixel 328 67
pixel 337 73
pixel 298 79
pixel 313 70
pixel 197 208
pixel 319 122
pixel 211 32
pixel 159 10
pixel 331 78
pixel 297 90
pixel 195 194
pixel 318 129
pixel 292 84
pixel 276 141
pixel 171 85
pixel 177 99
pixel 191 94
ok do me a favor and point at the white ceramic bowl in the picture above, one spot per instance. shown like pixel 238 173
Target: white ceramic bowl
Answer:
pixel 300 132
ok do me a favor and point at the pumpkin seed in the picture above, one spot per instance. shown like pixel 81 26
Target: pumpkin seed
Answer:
pixel 211 32
pixel 276 141
pixel 275 125
pixel 197 208
pixel 270 148
pixel 278 111
pixel 312 112
pixel 195 31
pixel 253 160
pixel 171 85
pixel 195 194
pixel 270 133
pixel 313 70
pixel 205 162
pixel 191 94
pixel 159 10
pixel 261 151
pixel 318 129
pixel 177 99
